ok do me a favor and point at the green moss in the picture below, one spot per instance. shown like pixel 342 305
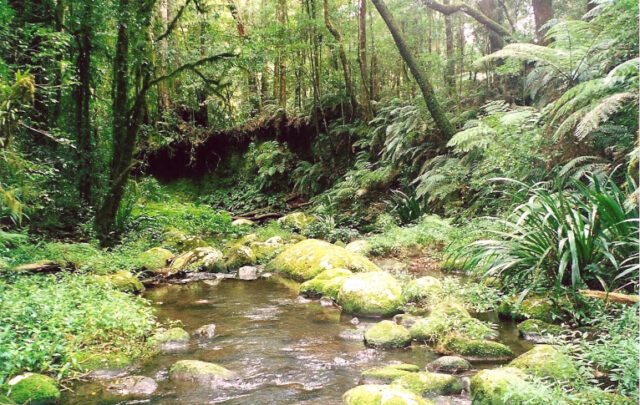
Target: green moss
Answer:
pixel 238 256
pixel 121 280
pixel 388 335
pixel 537 330
pixel 437 327
pixel 173 335
pixel 546 361
pixel 305 260
pixel 449 364
pixel 382 395
pixel 499 386
pixel 541 308
pixel 429 384
pixel 207 259
pixel 36 389
pixel 371 294
pixel 361 247
pixel 450 308
pixel 475 349
pixel 155 258
pixel 327 283
pixel 595 396
pixel 422 288
pixel 101 361
pixel 196 370
pixel 389 373
pixel 5 400
pixel 297 220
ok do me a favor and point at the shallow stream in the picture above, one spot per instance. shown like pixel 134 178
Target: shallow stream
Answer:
pixel 285 351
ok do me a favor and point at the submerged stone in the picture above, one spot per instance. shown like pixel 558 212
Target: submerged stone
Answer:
pixel 200 372
pixel 387 335
pixel 305 260
pixel 34 389
pixel 405 320
pixel 449 365
pixel 372 394
pixel 546 361
pixel 352 334
pixel 155 258
pixel 537 331
pixel 205 332
pixel 386 374
pixel 135 386
pixel 371 294
pixel 429 384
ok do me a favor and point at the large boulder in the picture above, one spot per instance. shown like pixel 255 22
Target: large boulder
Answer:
pixel 34 389
pixel 208 259
pixel 386 374
pixel 238 256
pixel 155 258
pixel 428 384
pixel 537 331
pixel 387 335
pixel 327 283
pixel 371 294
pixel 305 260
pixel 121 280
pixel 361 247
pixel 449 365
pixel 546 361
pixel 475 350
pixel 500 386
pixel 382 395
pixel 199 372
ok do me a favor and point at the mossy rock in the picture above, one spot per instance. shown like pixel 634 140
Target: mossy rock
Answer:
pixel 596 396
pixel 537 331
pixel 473 349
pixel 387 335
pixel 371 294
pixel 546 361
pixel 429 384
pixel 449 365
pixel 243 222
pixel 386 374
pixel 361 247
pixel 447 317
pixel 266 251
pixel 35 389
pixel 490 387
pixel 305 260
pixel 170 339
pixel 423 288
pixel 121 280
pixel 542 308
pixel 298 220
pixel 406 320
pixel 101 361
pixel 207 259
pixel 372 394
pixel 196 371
pixel 182 262
pixel 155 258
pixel 182 242
pixel 238 256
pixel 327 284
pixel 450 308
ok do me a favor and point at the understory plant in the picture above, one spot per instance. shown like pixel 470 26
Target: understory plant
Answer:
pixel 584 235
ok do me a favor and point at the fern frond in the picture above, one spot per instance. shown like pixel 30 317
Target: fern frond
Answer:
pixel 601 113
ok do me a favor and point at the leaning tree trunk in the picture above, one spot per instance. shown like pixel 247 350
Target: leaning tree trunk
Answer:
pixel 365 97
pixel 542 13
pixel 343 60
pixel 441 120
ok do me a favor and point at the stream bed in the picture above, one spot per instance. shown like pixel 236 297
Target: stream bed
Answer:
pixel 285 351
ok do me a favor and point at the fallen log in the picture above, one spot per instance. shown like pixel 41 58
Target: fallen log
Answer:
pixel 43 266
pixel 611 297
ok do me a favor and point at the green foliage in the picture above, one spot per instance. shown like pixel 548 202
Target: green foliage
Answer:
pixel 45 319
pixel 430 230
pixel 582 235
pixel 273 161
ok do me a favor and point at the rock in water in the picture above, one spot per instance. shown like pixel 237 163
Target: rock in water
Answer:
pixel 170 340
pixel 429 384
pixel 537 331
pixel 488 387
pixel 386 374
pixel 545 361
pixel 387 335
pixel 136 386
pixel 449 365
pixel 382 395
pixel 199 372
pixel 248 273
pixel 34 389
pixel 305 260
pixel 205 332
pixel 238 256
pixel 326 283
pixel 371 294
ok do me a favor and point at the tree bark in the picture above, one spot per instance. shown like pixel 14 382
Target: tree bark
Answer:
pixel 542 13
pixel 343 60
pixel 163 88
pixel 492 9
pixel 441 120
pixel 365 97
pixel 472 12
pixel 281 70
pixel 449 73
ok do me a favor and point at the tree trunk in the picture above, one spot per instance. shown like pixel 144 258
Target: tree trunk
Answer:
pixel 476 13
pixel 492 9
pixel 163 87
pixel 542 13
pixel 449 73
pixel 343 60
pixel 365 97
pixel 281 70
pixel 441 120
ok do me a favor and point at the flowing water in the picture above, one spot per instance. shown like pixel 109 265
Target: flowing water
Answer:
pixel 285 351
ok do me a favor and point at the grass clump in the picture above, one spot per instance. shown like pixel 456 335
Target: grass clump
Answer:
pixel 45 319
pixel 431 230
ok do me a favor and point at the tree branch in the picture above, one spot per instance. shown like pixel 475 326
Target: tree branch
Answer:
pixel 174 22
pixel 476 14
pixel 191 66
